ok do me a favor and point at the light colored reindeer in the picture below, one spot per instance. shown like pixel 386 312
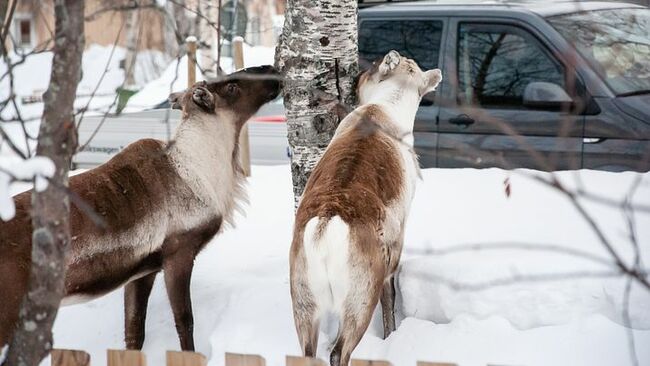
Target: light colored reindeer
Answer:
pixel 349 227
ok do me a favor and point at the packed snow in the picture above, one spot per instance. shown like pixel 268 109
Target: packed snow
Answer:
pixel 240 285
pixel 155 76
pixel 174 78
pixel 101 76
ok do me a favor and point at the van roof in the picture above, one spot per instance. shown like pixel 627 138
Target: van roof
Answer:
pixel 542 8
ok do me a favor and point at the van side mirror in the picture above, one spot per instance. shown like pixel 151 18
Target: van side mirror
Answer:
pixel 545 95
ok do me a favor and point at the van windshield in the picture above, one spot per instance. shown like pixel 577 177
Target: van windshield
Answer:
pixel 616 42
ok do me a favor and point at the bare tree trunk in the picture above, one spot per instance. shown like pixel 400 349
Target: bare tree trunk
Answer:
pixel 208 37
pixel 4 6
pixel 183 25
pixel 317 54
pixel 171 26
pixel 6 15
pixel 51 209
pixel 132 30
pixel 219 69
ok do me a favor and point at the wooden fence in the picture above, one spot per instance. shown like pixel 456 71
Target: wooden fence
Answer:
pixel 136 358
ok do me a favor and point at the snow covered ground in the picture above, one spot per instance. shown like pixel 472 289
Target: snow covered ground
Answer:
pixel 174 78
pixel 101 75
pixel 155 74
pixel 241 289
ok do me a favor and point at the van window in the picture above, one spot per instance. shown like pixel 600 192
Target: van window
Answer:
pixel 497 62
pixel 616 42
pixel 415 39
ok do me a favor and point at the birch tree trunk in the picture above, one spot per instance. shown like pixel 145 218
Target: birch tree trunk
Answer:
pixel 51 209
pixel 181 22
pixel 132 31
pixel 317 53
pixel 208 37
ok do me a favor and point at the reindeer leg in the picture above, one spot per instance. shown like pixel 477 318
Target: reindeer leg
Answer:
pixel 305 312
pixel 388 291
pixel 178 273
pixel 136 297
pixel 388 305
pixel 358 309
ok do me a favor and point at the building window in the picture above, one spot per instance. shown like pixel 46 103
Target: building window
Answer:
pixel 24 31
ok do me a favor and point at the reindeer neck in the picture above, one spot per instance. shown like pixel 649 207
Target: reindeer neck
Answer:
pixel 203 136
pixel 205 153
pixel 400 104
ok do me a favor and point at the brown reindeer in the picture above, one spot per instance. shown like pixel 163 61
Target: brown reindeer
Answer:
pixel 161 203
pixel 349 227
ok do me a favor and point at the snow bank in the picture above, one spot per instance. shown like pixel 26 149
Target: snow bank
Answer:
pixel 38 167
pixel 240 285
pixel 33 76
pixel 466 206
pixel 174 78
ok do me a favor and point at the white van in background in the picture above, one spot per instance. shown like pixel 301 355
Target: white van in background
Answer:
pixel 267 133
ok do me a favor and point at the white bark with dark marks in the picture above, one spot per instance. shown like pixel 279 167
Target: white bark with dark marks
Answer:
pixel 132 30
pixel 317 54
pixel 51 208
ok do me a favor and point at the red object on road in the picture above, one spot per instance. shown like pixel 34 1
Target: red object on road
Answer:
pixel 271 119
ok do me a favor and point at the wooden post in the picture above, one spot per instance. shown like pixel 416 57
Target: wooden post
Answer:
pixel 244 142
pixel 238 52
pixel 191 60
pixel 304 361
pixel 423 363
pixel 236 359
pixel 125 358
pixel 185 359
pixel 369 363
pixel 66 357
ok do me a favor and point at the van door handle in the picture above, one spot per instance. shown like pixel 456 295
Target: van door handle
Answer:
pixel 593 140
pixel 461 120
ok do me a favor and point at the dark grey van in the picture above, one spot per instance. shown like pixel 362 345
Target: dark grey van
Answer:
pixel 542 85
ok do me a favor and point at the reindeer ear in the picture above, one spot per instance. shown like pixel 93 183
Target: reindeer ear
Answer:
pixel 431 80
pixel 175 100
pixel 389 63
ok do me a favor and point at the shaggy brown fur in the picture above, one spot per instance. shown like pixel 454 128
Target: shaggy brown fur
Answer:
pixel 157 206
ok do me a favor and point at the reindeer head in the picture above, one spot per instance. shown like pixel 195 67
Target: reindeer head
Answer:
pixel 396 74
pixel 239 94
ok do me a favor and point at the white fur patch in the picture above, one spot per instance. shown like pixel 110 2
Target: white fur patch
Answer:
pixel 202 155
pixel 328 272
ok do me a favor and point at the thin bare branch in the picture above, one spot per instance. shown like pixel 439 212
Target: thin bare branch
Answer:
pixel 535 247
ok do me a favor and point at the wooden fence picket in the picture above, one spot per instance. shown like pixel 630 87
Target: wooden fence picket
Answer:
pixel 236 359
pixel 185 359
pixel 64 357
pixel 355 362
pixel 304 361
pixel 67 357
pixel 125 358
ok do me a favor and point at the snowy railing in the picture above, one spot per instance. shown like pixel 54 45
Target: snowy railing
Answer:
pixel 136 358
